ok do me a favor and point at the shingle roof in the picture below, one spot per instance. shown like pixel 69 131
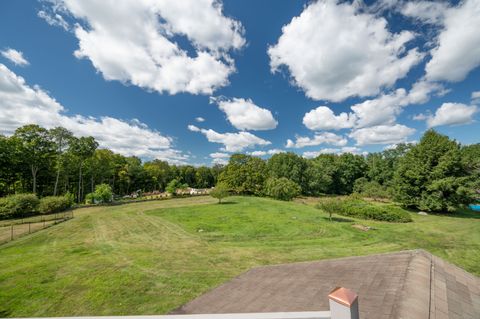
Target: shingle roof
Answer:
pixel 408 284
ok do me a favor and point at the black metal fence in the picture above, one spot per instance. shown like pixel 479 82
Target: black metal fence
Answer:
pixel 12 229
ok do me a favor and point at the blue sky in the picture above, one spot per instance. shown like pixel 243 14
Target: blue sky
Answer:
pixel 301 76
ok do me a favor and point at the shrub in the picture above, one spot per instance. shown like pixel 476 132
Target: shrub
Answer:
pixel 90 198
pixel 364 210
pixel 54 204
pixel 370 189
pixel 18 205
pixel 282 188
pixel 103 193
pixel 220 192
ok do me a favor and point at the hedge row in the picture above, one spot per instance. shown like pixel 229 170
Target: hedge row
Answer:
pixel 361 209
pixel 20 205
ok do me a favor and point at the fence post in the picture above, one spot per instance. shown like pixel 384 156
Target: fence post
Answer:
pixel 343 304
pixel 29 223
pixel 43 217
pixel 11 233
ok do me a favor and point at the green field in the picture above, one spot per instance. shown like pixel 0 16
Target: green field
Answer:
pixel 151 257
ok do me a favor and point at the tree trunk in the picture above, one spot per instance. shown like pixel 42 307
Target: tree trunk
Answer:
pixel 79 184
pixel 91 184
pixel 56 183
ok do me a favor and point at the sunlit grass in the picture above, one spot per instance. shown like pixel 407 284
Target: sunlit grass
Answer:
pixel 151 257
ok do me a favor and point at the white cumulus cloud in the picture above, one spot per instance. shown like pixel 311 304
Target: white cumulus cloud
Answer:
pixel 346 149
pixel 318 138
pixel 243 114
pixel 233 142
pixel 333 51
pixel 16 57
pixel 323 118
pixel 458 46
pixel 135 42
pixel 452 114
pixel 21 104
pixel 382 134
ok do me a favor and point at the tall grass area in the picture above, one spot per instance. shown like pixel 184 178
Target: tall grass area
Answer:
pixel 151 257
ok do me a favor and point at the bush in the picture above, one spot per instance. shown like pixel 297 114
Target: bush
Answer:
pixel 18 205
pixel 370 189
pixel 220 192
pixel 364 210
pixel 90 198
pixel 103 193
pixel 54 204
pixel 282 188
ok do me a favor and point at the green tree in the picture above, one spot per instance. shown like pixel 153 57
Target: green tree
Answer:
pixel 61 138
pixel 289 165
pixel 431 175
pixel 9 161
pixel 282 188
pixel 36 149
pixel 321 172
pixel 381 166
pixel 82 148
pixel 159 172
pixel 244 174
pixel 204 177
pixel 103 193
pixel 220 192
pixel 350 167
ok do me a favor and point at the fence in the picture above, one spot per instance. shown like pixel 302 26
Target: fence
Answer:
pixel 12 229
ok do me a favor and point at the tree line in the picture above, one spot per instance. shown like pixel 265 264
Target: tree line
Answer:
pixel 437 174
pixel 55 162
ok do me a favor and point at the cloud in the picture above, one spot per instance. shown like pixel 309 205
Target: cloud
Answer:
pixel 382 110
pixel 319 138
pixel 233 142
pixel 334 51
pixel 323 118
pixel 458 45
pixel 243 114
pixel 263 153
pixel 220 158
pixel 199 119
pixel 136 42
pixel 16 57
pixel 346 149
pixel 452 114
pixel 53 18
pixel 476 97
pixel 382 134
pixel 426 11
pixel 21 104
pixel 219 155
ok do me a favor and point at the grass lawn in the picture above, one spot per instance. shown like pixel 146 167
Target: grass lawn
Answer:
pixel 151 257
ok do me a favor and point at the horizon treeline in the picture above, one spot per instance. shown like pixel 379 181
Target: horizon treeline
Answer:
pixel 54 162
pixel 437 174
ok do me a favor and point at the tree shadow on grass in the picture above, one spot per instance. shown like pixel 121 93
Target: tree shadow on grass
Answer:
pixel 227 203
pixel 339 219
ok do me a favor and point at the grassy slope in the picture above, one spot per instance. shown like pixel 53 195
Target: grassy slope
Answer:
pixel 148 258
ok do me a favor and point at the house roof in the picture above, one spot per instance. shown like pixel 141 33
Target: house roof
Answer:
pixel 408 284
